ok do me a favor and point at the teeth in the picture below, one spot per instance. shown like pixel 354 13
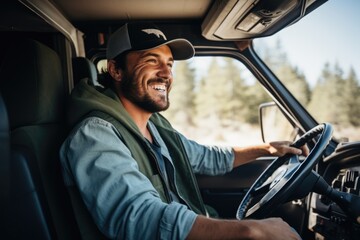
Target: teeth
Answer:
pixel 159 87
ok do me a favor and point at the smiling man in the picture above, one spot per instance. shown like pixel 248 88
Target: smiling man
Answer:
pixel 134 172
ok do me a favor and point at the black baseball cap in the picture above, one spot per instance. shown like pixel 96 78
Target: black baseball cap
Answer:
pixel 137 36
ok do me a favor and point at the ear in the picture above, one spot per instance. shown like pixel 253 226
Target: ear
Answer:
pixel 116 73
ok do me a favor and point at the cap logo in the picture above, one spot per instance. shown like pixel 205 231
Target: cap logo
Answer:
pixel 156 32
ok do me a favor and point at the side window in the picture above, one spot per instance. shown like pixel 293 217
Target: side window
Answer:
pixel 215 100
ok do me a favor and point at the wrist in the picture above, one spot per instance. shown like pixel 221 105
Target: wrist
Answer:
pixel 249 229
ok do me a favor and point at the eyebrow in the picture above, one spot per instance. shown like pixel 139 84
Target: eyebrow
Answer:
pixel 171 59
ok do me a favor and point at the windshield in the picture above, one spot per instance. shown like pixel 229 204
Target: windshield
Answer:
pixel 317 60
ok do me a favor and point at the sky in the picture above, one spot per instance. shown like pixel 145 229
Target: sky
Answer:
pixel 330 34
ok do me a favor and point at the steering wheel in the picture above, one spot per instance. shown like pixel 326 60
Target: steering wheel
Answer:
pixel 281 181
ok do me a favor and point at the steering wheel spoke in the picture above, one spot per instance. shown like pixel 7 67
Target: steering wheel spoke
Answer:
pixel 294 160
pixel 264 188
pixel 253 209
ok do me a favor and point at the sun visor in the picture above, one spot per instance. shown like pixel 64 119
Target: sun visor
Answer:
pixel 239 19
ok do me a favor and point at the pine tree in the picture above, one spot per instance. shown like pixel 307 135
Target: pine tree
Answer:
pixel 352 99
pixel 181 110
pixel 210 98
pixel 235 100
pixel 255 96
pixel 327 101
pixel 295 82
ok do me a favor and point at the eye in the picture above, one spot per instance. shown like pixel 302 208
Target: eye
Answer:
pixel 151 60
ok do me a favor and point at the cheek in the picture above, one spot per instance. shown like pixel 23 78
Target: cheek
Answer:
pixel 138 69
pixel 142 73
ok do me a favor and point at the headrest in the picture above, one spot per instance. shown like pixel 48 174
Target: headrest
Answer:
pixel 4 122
pixel 84 68
pixel 4 153
pixel 32 84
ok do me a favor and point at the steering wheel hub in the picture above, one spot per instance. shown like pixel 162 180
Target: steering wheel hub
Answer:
pixel 278 177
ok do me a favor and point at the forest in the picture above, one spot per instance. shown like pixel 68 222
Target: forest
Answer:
pixel 223 95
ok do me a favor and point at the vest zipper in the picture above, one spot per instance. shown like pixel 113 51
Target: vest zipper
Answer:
pixel 166 189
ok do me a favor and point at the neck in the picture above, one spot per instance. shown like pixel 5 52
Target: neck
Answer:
pixel 140 116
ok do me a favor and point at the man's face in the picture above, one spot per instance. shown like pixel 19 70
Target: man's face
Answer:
pixel 147 78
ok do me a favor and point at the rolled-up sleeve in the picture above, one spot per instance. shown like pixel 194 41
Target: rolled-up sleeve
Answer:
pixel 122 201
pixel 209 160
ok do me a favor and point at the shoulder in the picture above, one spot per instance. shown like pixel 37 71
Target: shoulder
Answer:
pixel 91 126
pixel 92 131
pixel 93 122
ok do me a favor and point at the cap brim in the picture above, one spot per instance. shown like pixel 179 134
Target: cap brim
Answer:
pixel 181 49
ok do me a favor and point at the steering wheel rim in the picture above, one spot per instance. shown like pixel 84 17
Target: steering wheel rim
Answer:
pixel 282 180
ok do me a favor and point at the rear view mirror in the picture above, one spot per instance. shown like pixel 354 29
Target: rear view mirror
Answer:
pixel 274 125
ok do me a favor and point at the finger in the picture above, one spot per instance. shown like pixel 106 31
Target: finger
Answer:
pixel 305 150
pixel 296 151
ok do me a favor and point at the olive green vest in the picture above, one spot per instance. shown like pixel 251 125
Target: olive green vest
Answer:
pixel 145 157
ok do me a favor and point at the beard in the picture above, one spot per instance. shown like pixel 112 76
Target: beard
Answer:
pixel 138 94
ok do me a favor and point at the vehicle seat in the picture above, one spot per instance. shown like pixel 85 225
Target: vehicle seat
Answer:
pixel 4 161
pixel 84 68
pixel 32 86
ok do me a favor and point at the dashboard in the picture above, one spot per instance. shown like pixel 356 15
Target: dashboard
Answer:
pixel 331 218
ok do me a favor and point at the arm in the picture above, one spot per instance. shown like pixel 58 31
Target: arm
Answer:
pixel 122 201
pixel 224 159
pixel 279 148
pixel 209 160
pixel 270 228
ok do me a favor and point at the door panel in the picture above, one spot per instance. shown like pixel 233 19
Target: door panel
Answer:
pixel 224 193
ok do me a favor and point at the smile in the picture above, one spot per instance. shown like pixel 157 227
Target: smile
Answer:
pixel 160 88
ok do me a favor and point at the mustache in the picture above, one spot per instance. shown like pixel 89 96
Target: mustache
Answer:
pixel 159 80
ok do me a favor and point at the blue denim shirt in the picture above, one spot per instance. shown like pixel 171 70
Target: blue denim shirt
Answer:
pixel 121 200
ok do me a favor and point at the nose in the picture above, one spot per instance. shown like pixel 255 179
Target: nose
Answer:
pixel 164 71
